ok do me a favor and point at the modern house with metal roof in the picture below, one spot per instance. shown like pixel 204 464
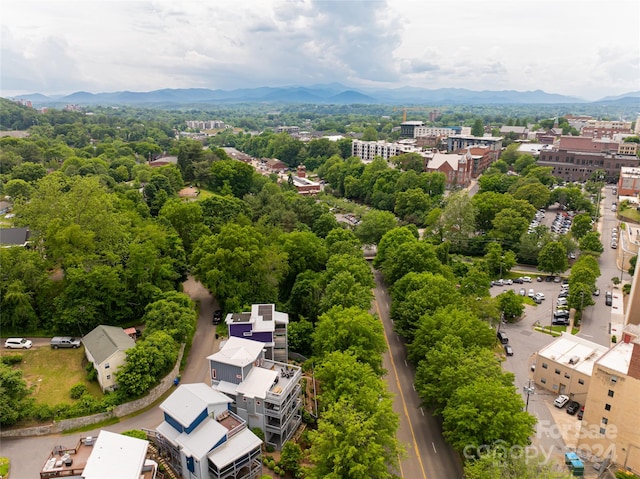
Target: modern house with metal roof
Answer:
pixel 263 324
pixel 106 348
pixel 202 437
pixel 265 393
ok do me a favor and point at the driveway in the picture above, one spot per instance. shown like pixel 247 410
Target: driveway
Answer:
pixel 28 454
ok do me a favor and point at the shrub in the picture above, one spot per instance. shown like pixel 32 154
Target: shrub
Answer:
pixel 137 433
pixel 78 391
pixel 258 432
pixel 11 359
pixel 272 464
pixel 92 374
pixel 270 448
pixel 266 476
pixel 626 289
pixel 277 470
pixel 42 412
pixel 307 418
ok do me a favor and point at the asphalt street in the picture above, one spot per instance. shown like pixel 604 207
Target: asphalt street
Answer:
pixel 428 456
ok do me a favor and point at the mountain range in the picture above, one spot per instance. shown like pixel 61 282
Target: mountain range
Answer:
pixel 322 94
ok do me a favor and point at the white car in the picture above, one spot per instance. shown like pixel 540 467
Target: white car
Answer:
pixel 540 295
pixel 562 302
pixel 561 401
pixel 531 293
pixel 18 343
pixel 526 279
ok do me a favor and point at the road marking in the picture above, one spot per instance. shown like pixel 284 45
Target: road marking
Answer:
pixel 404 404
pixel 413 386
pixel 405 363
pixel 434 448
pixel 422 411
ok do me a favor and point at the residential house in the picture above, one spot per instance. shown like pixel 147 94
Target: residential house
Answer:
pixel 263 323
pixel 163 161
pixel 106 348
pixel 514 132
pixel 110 455
pixel 10 237
pixel 202 438
pixel 265 393
pixel 5 207
pixel 276 166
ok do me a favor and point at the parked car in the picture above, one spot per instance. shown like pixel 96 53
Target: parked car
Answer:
pixel 508 350
pixel 608 298
pixel 560 322
pixel 537 300
pixel 526 279
pixel 557 279
pixel 539 279
pixel 581 413
pixel 65 342
pixel 561 401
pixel 502 337
pixel 531 293
pixel 518 281
pixel 596 292
pixel 562 302
pixel 561 314
pixel 523 292
pixel 573 407
pixel 540 295
pixel 217 316
pixel 18 343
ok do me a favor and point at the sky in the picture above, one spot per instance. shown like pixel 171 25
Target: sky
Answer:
pixel 584 48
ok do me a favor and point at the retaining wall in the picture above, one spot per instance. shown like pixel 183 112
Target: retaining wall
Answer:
pixel 119 411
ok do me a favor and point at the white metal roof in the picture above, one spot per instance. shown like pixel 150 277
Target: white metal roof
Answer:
pixel 116 456
pixel 188 401
pixel 238 352
pixel 239 445
pixel 257 383
pixel 567 347
pixel 200 441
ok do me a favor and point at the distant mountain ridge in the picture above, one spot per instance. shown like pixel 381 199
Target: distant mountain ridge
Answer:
pixel 334 93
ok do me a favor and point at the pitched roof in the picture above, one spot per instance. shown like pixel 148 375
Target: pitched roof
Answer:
pixel 237 446
pixel 14 236
pixel 103 341
pixel 257 383
pixel 188 401
pixel 238 352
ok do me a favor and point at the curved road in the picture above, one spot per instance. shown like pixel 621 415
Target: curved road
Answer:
pixel 28 454
pixel 428 456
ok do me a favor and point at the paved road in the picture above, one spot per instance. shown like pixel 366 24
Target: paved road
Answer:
pixel 428 455
pixel 28 455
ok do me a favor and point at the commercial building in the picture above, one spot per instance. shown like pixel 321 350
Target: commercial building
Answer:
pixel 611 421
pixel 457 142
pixel 304 185
pixel 565 366
pixel 264 393
pixel 456 167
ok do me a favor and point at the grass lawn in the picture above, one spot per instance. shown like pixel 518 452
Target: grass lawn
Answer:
pixel 53 372
pixel 630 214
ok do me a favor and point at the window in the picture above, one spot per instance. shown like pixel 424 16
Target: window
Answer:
pixel 603 431
pixel 106 366
pixel 247 333
pixel 610 393
pixel 614 379
pixel 605 420
pixel 557 371
pixel 580 381
pixel 566 375
pixel 607 407
pixel 543 380
pixel 545 365
pixel 214 374
pixel 108 376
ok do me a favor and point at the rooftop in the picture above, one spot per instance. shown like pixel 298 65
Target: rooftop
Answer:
pixel 574 352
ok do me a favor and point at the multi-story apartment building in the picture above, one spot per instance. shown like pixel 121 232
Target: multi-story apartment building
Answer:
pixel 265 393
pixel 604 129
pixel 202 438
pixel 408 128
pixel 457 142
pixel 368 150
pixel 205 125
pixel 611 422
pixel 627 148
pixel 565 366
pixel 263 323
pixel 576 158
pixel 292 130
pixel 441 131
pixel 481 158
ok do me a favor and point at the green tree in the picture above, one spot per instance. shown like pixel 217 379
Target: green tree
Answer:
pixel 535 193
pixel 478 128
pixel 190 152
pixel 18 189
pixel 553 258
pixel 231 177
pixel 370 134
pixel 475 284
pixel 299 336
pixel 458 220
pixel 581 225
pixel 374 225
pixel 174 314
pixel 350 330
pixel 147 362
pixel 486 411
pixel 15 400
pixel 186 218
pixel 590 243
pixel 495 464
pixel 291 458
pixel 499 262
pixel 511 304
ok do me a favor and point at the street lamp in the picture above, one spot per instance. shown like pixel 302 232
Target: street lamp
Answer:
pixel 528 390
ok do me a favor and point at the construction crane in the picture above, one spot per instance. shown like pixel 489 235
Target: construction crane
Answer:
pixel 407 108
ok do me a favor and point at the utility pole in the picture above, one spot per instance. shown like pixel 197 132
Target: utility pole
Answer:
pixel 528 390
